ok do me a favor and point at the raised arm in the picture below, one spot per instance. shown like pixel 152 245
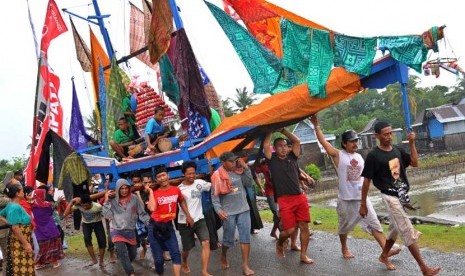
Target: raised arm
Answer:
pixel 294 140
pixel 267 145
pixel 332 151
pixel 413 150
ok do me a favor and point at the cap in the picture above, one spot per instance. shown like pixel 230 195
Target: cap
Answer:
pixel 349 135
pixel 228 156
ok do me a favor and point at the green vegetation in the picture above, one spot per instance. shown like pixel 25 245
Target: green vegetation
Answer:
pixel 434 161
pixel 16 163
pixel 438 237
pixel 313 170
pixel 387 105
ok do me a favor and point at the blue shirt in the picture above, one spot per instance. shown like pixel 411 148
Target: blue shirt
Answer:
pixel 15 214
pixel 153 127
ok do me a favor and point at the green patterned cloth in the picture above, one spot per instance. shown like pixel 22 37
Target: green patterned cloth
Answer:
pixel 321 62
pixel 409 50
pixel 288 79
pixel 169 83
pixel 263 66
pixel 115 93
pixel 355 54
pixel 296 46
pixel 308 56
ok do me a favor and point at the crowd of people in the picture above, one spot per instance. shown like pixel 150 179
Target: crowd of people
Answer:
pixel 142 211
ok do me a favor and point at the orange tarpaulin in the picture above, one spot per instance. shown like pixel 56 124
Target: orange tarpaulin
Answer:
pixel 293 104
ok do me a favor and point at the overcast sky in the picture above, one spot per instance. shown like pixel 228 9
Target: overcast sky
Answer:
pixel 18 63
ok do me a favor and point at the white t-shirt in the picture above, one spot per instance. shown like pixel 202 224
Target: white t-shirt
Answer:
pixel 349 169
pixel 193 196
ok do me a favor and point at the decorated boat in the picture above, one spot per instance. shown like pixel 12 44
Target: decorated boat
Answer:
pixel 303 66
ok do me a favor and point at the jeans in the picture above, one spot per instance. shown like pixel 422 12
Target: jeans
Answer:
pixel 158 246
pixel 242 221
pixel 111 245
pixel 126 254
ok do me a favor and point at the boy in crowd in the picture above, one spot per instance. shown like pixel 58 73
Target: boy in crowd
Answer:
pixel 163 204
pixel 91 222
pixel 191 190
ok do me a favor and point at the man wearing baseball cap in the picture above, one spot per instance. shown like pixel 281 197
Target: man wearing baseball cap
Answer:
pixel 349 165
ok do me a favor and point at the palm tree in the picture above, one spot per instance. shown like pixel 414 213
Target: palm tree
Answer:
pixel 243 98
pixel 458 92
pixel 92 126
pixel 336 113
pixel 227 109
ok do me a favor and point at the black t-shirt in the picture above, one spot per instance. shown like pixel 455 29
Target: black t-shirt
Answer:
pixel 284 174
pixel 387 170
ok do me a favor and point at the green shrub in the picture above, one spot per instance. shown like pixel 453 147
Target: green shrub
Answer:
pixel 313 170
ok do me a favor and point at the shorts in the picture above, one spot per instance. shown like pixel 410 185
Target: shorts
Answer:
pixel 242 221
pixel 293 209
pixel 348 216
pixel 187 234
pixel 399 221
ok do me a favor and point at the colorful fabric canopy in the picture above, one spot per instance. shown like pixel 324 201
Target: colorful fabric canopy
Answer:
pixel 355 54
pixel 263 67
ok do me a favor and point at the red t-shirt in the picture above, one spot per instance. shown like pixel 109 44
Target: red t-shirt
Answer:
pixel 263 168
pixel 167 204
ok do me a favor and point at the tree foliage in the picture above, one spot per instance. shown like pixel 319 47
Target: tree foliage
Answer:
pixel 313 170
pixel 92 126
pixel 243 99
pixel 227 109
pixel 387 105
pixel 16 163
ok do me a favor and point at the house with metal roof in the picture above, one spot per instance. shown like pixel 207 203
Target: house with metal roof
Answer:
pixel 441 128
pixel 312 151
pixel 368 138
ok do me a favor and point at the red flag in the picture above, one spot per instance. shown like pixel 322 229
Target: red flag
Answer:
pixel 53 26
pixel 48 113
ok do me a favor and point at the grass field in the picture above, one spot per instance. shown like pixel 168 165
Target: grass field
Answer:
pixel 439 237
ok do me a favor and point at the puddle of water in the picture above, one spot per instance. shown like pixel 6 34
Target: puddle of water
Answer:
pixel 442 198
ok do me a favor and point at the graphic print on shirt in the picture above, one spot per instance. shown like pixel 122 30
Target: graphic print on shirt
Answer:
pixel 234 179
pixel 197 193
pixel 90 216
pixel 354 170
pixel 398 182
pixel 163 200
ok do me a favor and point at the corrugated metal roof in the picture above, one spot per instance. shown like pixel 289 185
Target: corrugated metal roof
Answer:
pixel 419 119
pixel 448 113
